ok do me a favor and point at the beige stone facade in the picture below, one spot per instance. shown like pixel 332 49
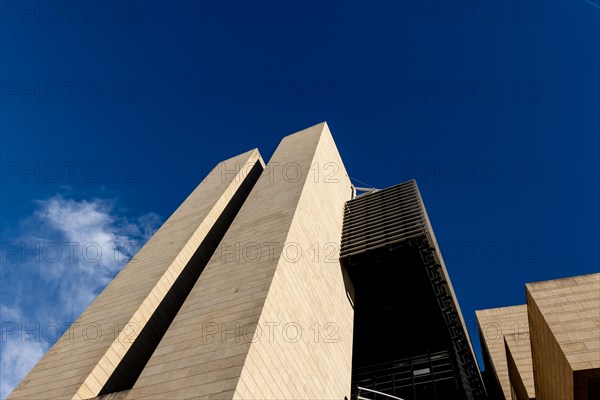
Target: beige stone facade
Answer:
pixel 308 293
pixel 81 362
pixel 561 357
pixel 250 327
pixel 564 315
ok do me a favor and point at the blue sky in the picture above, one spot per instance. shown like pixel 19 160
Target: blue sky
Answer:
pixel 112 112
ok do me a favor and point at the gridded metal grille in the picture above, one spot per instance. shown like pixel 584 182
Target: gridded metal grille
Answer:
pixel 382 218
pixel 433 373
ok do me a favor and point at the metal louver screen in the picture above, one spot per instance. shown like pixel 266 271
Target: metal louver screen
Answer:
pixel 381 218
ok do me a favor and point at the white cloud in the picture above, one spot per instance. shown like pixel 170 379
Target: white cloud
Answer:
pixel 19 353
pixel 64 255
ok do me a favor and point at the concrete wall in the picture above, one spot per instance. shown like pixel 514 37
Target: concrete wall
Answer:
pixel 83 359
pixel 237 333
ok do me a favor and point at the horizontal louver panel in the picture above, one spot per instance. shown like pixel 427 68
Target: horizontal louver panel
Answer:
pixel 382 218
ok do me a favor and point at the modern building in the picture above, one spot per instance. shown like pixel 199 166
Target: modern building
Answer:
pixel 548 348
pixel 274 281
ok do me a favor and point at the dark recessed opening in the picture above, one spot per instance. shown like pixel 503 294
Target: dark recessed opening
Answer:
pixel 401 343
